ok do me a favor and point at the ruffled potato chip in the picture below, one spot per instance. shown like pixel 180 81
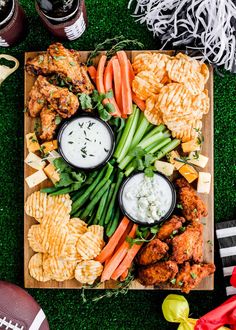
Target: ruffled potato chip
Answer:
pixel 35 238
pixel 97 230
pixel 88 271
pixel 54 201
pixel 36 268
pixel 58 268
pixel 36 205
pixel 89 246
pixel 152 111
pixel 145 85
pixel 71 253
pixel 77 227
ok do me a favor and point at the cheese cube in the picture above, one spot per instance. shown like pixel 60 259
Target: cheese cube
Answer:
pixel 53 155
pixel 164 167
pixel 200 160
pixel 190 146
pixel 36 178
pixel 35 161
pixel 188 172
pixel 204 183
pixel 32 142
pixel 172 155
pixel 52 173
pixel 49 146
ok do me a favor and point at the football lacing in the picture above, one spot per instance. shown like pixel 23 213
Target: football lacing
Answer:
pixel 9 324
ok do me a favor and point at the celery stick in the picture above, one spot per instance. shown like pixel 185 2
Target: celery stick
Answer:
pixel 129 137
pixel 155 130
pixel 125 134
pixel 169 147
pixel 160 145
pixel 142 127
pixel 154 144
pixel 143 144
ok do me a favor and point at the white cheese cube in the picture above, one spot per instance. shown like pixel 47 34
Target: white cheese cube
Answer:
pixel 35 161
pixel 204 183
pixel 36 178
pixel 52 155
pixel 164 167
pixel 198 159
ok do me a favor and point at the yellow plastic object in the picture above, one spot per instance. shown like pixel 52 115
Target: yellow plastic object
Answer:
pixel 175 309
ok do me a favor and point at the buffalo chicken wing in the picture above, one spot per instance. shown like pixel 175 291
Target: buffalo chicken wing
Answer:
pixel 158 273
pixel 169 227
pixel 152 252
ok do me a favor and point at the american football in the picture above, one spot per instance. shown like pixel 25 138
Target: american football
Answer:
pixel 18 310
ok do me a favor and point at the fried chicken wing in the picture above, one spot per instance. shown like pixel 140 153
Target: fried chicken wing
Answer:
pixel 159 273
pixel 188 245
pixel 152 252
pixel 193 207
pixel 65 63
pixel 190 276
pixel 169 227
pixel 60 99
pixel 48 123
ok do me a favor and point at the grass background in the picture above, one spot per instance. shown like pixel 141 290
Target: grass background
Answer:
pixel 64 308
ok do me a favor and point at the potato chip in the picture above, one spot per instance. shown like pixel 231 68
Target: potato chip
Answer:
pixel 143 62
pixel 88 271
pixel 145 85
pixel 77 227
pixel 35 238
pixel 54 201
pixel 202 102
pixel 89 246
pixel 58 215
pixel 36 268
pixel 71 253
pixel 152 111
pixel 36 204
pixel 97 230
pixel 58 268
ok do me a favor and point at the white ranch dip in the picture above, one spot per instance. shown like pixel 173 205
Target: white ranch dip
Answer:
pixel 85 142
pixel 147 199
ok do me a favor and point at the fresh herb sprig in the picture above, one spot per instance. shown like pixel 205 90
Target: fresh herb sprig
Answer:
pixel 143 161
pixel 94 101
pixel 143 235
pixel 134 43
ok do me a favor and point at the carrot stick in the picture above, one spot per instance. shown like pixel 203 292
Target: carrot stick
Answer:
pixel 127 261
pixel 124 275
pixel 108 78
pixel 100 74
pixel 117 257
pixel 93 73
pixel 113 241
pixel 140 103
pixel 131 73
pixel 117 82
pixel 126 87
pixel 123 237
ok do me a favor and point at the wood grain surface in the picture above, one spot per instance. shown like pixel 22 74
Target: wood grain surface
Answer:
pixel 208 150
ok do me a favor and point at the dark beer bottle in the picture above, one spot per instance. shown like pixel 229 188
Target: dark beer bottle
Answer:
pixel 58 10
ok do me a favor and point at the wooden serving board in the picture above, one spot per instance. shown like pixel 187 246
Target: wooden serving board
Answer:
pixel 208 132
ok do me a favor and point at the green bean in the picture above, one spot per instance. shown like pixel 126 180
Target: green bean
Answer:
pixel 49 190
pixel 101 206
pixel 112 203
pixel 78 193
pixel 113 223
pixel 85 196
pixel 111 191
pixel 103 181
pixel 95 200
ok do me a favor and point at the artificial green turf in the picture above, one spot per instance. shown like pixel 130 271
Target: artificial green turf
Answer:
pixel 64 308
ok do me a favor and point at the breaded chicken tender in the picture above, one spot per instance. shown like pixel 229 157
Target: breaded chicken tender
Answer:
pixel 152 252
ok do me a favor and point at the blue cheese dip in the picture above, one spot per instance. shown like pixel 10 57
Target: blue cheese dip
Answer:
pixel 147 200
pixel 86 142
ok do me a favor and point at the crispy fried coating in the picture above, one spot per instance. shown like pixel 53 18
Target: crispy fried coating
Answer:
pixel 190 276
pixel 169 226
pixel 159 273
pixel 188 245
pixel 152 252
pixel 48 123
pixel 65 63
pixel 193 207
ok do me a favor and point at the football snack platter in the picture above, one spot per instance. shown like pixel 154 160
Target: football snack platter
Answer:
pixel 207 150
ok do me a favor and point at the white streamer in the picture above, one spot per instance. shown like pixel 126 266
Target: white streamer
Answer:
pixel 211 24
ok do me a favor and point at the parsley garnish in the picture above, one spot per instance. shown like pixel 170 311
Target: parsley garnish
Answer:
pixel 193 275
pixel 58 119
pixel 58 58
pixel 173 281
pixel 179 206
